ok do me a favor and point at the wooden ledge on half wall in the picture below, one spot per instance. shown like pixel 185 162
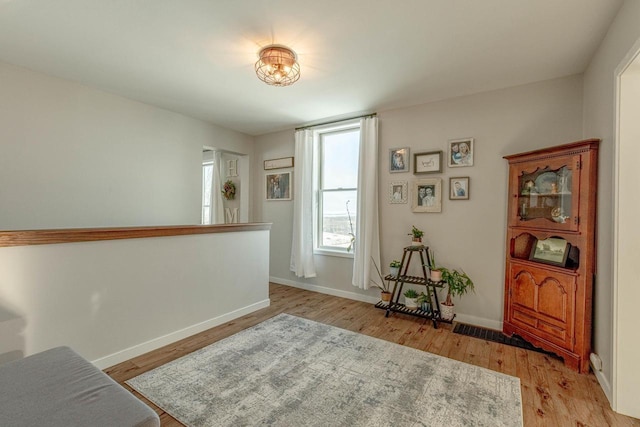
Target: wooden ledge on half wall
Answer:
pixel 72 235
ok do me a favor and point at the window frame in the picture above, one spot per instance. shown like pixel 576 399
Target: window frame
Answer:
pixel 318 135
pixel 204 165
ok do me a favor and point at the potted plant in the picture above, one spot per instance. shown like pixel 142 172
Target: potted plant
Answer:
pixel 424 302
pixel 394 268
pixel 385 295
pixel 458 284
pixel 411 299
pixel 434 272
pixel 416 239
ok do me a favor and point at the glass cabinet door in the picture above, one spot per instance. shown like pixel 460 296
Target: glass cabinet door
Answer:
pixel 547 194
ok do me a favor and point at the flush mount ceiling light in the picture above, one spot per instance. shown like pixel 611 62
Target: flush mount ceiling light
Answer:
pixel 278 65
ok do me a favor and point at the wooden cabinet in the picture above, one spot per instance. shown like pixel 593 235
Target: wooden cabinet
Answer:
pixel 550 250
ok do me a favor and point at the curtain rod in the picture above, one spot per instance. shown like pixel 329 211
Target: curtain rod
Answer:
pixel 337 121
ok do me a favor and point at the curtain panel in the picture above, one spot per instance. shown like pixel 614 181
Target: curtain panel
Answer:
pixel 367 242
pixel 302 263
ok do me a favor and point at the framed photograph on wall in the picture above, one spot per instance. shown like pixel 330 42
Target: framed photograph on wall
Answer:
pixel 399 160
pixel 460 153
pixel 459 188
pixel 552 251
pixel 427 162
pixel 398 192
pixel 426 195
pixel 278 186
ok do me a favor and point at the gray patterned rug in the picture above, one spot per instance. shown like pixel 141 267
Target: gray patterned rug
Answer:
pixel 289 371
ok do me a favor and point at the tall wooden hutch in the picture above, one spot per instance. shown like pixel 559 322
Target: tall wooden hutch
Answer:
pixel 551 249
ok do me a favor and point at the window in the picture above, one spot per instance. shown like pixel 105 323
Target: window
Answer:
pixel 337 188
pixel 207 181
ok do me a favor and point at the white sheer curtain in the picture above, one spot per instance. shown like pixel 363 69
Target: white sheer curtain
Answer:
pixel 217 207
pixel 302 241
pixel 367 243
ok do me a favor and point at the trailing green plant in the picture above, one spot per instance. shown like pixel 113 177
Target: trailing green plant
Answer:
pixel 458 283
pixel 410 293
pixel 394 264
pixel 416 232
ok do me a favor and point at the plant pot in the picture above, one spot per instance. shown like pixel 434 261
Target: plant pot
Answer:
pixel 385 297
pixel 447 312
pixel 416 241
pixel 435 275
pixel 394 271
pixel 411 303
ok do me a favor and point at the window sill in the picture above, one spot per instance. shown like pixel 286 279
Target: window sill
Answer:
pixel 328 252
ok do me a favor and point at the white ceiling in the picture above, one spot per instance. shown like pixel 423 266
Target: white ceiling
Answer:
pixel 196 56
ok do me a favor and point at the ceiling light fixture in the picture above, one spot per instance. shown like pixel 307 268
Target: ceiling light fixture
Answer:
pixel 278 65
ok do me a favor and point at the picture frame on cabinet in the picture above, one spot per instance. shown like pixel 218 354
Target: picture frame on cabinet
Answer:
pixel 552 251
pixel 426 195
pixel 459 188
pixel 461 152
pixel 399 160
pixel 430 162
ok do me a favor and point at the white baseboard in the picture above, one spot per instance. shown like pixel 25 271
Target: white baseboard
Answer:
pixel 325 290
pixel 137 350
pixel 472 320
pixel 604 385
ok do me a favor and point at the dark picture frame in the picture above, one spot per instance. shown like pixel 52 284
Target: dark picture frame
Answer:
pixel 399 159
pixel 552 251
pixel 428 162
pixel 459 188
pixel 278 186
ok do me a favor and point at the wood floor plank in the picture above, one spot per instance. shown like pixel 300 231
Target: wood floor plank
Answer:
pixel 552 395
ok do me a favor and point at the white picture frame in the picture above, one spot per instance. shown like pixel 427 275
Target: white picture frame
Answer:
pixel 426 195
pixel 460 153
pixel 398 192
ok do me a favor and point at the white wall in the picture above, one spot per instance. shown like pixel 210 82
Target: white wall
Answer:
pixel 73 156
pixel 599 122
pixel 627 352
pixel 467 234
pixel 113 300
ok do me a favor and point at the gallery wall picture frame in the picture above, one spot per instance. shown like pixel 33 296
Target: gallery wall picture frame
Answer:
pixel 281 163
pixel 553 251
pixel 398 192
pixel 460 153
pixel 459 188
pixel 399 159
pixel 278 186
pixel 428 162
pixel 426 195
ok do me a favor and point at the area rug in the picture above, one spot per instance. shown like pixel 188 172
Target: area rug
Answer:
pixel 289 371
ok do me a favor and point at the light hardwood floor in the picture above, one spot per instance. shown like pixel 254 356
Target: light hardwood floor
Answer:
pixel 552 395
